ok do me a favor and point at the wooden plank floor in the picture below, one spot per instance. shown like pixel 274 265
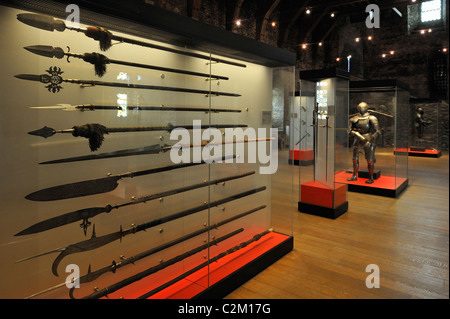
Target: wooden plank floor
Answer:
pixel 407 237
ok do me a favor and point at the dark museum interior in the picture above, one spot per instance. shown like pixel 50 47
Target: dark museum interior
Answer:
pixel 224 149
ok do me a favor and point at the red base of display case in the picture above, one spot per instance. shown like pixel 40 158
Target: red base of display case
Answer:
pixel 301 157
pixel 388 186
pixel 223 276
pixel 320 200
pixel 422 152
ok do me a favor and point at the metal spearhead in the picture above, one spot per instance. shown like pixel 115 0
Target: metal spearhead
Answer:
pixel 41 21
pixel 43 132
pixel 46 50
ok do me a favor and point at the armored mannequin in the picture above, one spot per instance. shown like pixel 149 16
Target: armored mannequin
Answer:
pixel 420 123
pixel 365 129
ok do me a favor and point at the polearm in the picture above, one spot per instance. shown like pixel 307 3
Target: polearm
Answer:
pixel 152 149
pixel 87 213
pixel 54 81
pixel 93 107
pixel 100 61
pixel 203 265
pixel 96 242
pixel 128 281
pixel 105 37
pixel 95 132
pixel 93 275
pixel 104 184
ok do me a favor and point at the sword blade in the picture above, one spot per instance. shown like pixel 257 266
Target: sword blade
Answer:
pixel 41 22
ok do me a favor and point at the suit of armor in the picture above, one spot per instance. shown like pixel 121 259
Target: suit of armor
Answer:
pixel 420 123
pixel 365 129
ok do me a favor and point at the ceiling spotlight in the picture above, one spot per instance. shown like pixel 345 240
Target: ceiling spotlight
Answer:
pixel 357 39
pixel 429 30
pixel 338 59
pixel 274 24
pixel 392 52
pixel 383 55
pixel 238 22
pixel 332 14
pixel 444 50
pixel 422 31
pixel 369 38
pixel 308 11
pixel 320 44
pixel 304 46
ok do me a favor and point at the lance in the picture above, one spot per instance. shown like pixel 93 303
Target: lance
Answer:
pixel 100 61
pixel 105 37
pixel 92 107
pixel 95 132
pixel 87 213
pixel 206 263
pixel 315 124
pixel 154 269
pixel 93 275
pixel 54 80
pixel 96 242
pixel 326 147
pixel 152 149
pixel 104 184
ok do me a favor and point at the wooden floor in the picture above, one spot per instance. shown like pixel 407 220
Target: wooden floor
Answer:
pixel 406 237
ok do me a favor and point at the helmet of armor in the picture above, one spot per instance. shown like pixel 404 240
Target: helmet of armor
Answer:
pixel 363 107
pixel 420 110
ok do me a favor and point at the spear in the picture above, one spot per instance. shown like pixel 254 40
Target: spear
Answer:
pixel 103 184
pixel 154 269
pixel 100 61
pixel 96 242
pixel 92 107
pixel 105 37
pixel 86 213
pixel 152 149
pixel 93 275
pixel 95 132
pixel 54 81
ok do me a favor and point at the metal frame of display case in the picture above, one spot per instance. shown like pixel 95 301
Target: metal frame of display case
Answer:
pixel 198 230
pixel 323 116
pixel 389 101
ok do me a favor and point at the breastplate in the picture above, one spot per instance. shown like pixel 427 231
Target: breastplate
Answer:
pixel 363 125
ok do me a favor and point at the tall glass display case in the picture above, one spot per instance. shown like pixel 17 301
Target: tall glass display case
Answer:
pixel 424 126
pixel 323 117
pixel 387 105
pixel 136 168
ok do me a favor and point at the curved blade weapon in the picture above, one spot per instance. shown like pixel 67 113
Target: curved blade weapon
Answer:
pixel 154 269
pixel 104 184
pixel 152 149
pixel 95 132
pixel 92 107
pixel 93 275
pixel 86 213
pixel 100 61
pixel 96 242
pixel 105 37
pixel 54 80
pixel 206 263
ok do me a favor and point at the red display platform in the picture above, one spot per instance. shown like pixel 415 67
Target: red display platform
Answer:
pixel 318 199
pixel 225 274
pixel 388 186
pixel 423 153
pixel 301 157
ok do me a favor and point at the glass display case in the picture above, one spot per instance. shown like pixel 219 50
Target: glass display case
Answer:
pixel 378 156
pixel 323 125
pixel 425 136
pixel 149 154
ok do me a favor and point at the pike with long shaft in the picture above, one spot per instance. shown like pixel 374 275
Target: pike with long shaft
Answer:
pixel 104 184
pixel 152 149
pixel 206 263
pixel 87 213
pixel 105 37
pixel 54 80
pixel 95 132
pixel 92 107
pixel 97 242
pixel 100 61
pixel 93 275
pixel 128 281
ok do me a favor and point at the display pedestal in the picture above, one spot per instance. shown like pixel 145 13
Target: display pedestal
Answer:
pixel 364 173
pixel 419 151
pixel 320 200
pixel 301 157
pixel 388 186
